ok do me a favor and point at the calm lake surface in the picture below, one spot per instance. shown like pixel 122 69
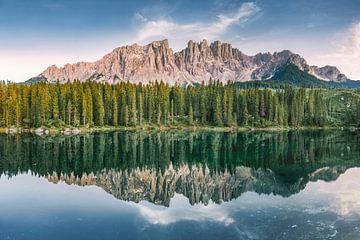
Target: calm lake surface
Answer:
pixel 181 185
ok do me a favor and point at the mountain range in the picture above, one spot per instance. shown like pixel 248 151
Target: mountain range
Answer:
pixel 198 62
pixel 196 183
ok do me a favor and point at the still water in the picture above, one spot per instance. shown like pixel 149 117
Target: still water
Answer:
pixel 181 185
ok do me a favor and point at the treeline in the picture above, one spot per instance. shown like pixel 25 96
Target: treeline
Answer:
pixel 125 104
pixel 218 151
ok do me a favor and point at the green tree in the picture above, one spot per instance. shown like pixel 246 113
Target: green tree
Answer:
pixel 218 112
pixel 191 115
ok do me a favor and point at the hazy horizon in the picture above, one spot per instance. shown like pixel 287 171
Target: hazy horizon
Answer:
pixel 37 34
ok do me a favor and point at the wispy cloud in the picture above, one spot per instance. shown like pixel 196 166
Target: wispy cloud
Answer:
pixel 345 52
pixel 165 28
pixel 139 17
pixel 349 42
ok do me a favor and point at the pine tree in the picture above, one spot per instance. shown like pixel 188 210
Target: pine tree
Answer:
pixel 203 110
pixel 150 106
pixel 229 110
pixel 242 113
pixel 218 112
pixel 133 109
pixel 172 111
pixel 98 107
pixel 191 115
pixel 140 107
pixel 88 108
pixel 55 108
pixel 311 107
pixel 25 108
pixel 262 109
pixel 108 104
pixel 114 109
pixel 126 115
pixel 320 112
pixel 69 112
pixel 124 118
pixel 158 112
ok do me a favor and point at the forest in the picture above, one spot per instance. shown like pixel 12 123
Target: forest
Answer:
pixel 219 151
pixel 93 104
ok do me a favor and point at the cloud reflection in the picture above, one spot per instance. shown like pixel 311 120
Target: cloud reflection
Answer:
pixel 342 195
pixel 181 210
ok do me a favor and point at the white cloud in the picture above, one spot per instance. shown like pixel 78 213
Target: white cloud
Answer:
pixel 349 44
pixel 342 195
pixel 163 28
pixel 139 17
pixel 345 52
pixel 180 210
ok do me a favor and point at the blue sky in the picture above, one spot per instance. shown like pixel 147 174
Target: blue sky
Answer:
pixel 38 33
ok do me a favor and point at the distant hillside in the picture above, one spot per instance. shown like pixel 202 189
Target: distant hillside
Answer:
pixel 290 75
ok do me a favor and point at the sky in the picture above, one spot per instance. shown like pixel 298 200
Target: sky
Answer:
pixel 38 33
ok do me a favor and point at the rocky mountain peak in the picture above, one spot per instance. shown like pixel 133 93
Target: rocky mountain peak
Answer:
pixel 161 43
pixel 221 50
pixel 159 47
pixel 196 63
pixel 331 73
pixel 193 46
pixel 196 183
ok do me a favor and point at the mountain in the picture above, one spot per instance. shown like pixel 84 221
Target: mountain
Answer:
pixel 196 63
pixel 196 183
pixel 203 166
pixel 290 75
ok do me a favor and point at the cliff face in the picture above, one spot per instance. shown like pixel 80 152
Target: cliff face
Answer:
pixel 196 183
pixel 130 63
pixel 328 72
pixel 196 63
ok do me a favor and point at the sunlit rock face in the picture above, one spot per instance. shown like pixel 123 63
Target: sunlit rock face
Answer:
pixel 197 63
pixel 196 183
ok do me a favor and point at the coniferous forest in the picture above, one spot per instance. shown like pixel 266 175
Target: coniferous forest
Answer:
pixel 92 104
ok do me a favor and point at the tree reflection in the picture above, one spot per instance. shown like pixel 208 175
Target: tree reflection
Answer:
pixel 201 165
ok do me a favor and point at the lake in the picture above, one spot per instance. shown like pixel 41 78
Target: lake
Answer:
pixel 181 185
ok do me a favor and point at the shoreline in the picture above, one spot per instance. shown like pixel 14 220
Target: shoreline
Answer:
pixel 45 131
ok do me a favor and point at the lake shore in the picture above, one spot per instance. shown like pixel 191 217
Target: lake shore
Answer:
pixel 85 130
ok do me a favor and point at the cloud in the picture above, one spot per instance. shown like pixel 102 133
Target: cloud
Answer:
pixel 198 30
pixel 180 210
pixel 345 52
pixel 139 17
pixel 349 44
pixel 344 193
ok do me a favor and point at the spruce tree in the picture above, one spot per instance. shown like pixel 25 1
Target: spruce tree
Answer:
pixel 126 115
pixel 140 107
pixel 114 110
pixel 218 112
pixel 191 115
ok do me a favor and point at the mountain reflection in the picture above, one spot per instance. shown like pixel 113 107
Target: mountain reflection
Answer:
pixel 203 166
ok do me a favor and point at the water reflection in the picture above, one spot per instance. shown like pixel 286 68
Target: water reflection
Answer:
pixel 202 166
pixel 255 185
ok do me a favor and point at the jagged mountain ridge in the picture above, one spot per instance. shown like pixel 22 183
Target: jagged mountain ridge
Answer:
pixel 194 182
pixel 196 63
